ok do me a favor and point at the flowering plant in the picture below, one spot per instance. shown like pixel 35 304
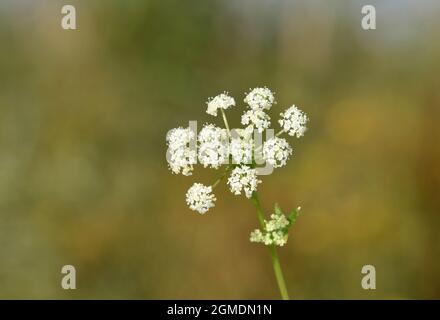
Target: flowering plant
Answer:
pixel 240 151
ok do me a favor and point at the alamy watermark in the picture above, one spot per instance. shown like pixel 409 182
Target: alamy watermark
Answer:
pixel 368 281
pixel 368 21
pixel 68 282
pixel 68 21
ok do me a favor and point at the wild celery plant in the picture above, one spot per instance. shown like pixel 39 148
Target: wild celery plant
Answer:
pixel 240 151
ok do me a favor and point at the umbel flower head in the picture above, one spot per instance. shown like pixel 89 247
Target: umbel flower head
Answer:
pixel 199 198
pixel 243 179
pixel 181 156
pixel 213 146
pixel 222 101
pixel 237 150
pixel 293 121
pixel 242 146
pixel 257 119
pixel 276 151
pixel 260 99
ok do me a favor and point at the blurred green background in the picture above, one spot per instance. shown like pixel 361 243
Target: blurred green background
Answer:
pixel 83 174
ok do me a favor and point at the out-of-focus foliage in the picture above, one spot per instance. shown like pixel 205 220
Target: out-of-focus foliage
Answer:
pixel 83 176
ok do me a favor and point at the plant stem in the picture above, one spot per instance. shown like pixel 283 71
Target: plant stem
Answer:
pixel 278 272
pixel 215 184
pixel 273 251
pixel 225 120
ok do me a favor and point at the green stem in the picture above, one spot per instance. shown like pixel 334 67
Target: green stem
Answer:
pixel 215 184
pixel 278 272
pixel 273 251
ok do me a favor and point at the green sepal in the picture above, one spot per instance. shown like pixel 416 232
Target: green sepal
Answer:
pixel 292 216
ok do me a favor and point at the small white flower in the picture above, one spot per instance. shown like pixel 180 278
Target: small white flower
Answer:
pixel 181 157
pixel 267 239
pixel 257 118
pixel 243 179
pixel 256 236
pixel 260 98
pixel 279 238
pixel 222 101
pixel 294 121
pixel 199 198
pixel 276 222
pixel 213 146
pixel 276 152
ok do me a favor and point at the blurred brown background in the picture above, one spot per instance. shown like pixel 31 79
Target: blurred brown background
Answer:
pixel 83 175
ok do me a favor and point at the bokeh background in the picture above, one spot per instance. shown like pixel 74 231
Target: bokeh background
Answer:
pixel 83 175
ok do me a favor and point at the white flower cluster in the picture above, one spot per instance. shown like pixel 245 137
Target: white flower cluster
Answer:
pixel 216 146
pixel 181 157
pixel 294 121
pixel 275 231
pixel 277 151
pixel 260 99
pixel 199 198
pixel 222 101
pixel 257 118
pixel 213 146
pixel 241 149
pixel 243 179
